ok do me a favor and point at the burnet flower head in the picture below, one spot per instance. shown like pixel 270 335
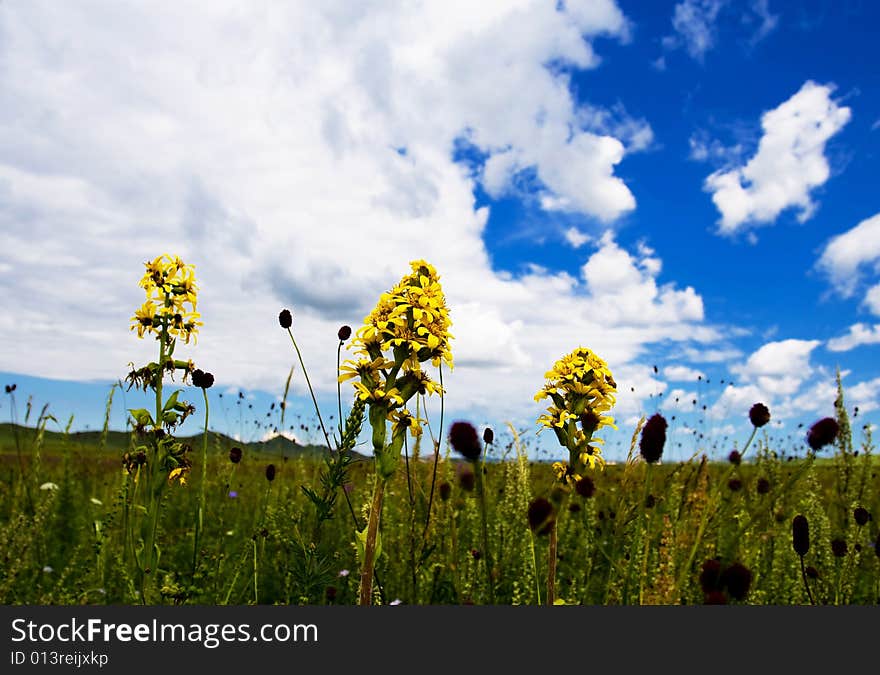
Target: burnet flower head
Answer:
pixel 582 392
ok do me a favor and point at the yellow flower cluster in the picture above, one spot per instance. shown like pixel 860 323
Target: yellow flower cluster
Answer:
pixel 409 326
pixel 170 286
pixel 582 392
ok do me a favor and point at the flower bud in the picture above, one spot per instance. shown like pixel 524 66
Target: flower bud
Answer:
pixel 800 535
pixel 285 318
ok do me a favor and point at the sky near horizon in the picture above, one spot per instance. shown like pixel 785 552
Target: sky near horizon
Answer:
pixel 687 188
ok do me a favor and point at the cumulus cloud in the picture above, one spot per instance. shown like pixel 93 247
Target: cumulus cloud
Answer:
pixel 872 300
pixel 679 373
pixel 300 155
pixel 680 400
pixel 865 395
pixel 847 255
pixel 789 164
pixel 576 237
pixel 772 373
pixel 859 334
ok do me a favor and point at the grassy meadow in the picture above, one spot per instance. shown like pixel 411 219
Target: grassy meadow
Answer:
pixel 63 510
pixel 390 512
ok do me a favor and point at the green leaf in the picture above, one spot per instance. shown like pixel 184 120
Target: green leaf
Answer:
pixel 141 416
pixel 172 401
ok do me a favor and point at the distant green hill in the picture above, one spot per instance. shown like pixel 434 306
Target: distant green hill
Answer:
pixel 116 441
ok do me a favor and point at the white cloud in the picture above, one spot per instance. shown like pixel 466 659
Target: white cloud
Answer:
pixel 773 373
pixel 711 355
pixel 788 165
pixel 575 237
pixel 767 21
pixel 694 25
pixel 680 400
pixel 847 254
pixel 625 289
pixel 865 395
pixel 872 299
pixel 859 334
pixel 300 155
pixel 703 148
pixel 680 373
pixel 781 358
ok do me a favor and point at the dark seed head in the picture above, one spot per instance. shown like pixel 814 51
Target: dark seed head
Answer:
pixel 235 455
pixel 650 502
pixel 734 457
pixel 445 490
pixel 653 438
pixel 838 547
pixel 464 440
pixel 861 516
pixel 202 380
pixel 811 572
pixel 716 598
pixel 467 480
pixel 540 514
pixel 800 535
pixel 344 333
pixel 734 484
pixel 574 507
pixel 488 435
pixel 763 486
pixel 475 554
pixel 759 415
pixel 710 576
pixel 737 578
pixel 822 433
pixel 585 487
pixel 270 472
pixel 285 318
pixel 330 593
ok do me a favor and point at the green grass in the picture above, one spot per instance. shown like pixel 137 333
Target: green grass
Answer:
pixel 66 545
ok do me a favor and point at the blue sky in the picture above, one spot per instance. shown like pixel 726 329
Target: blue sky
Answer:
pixel 687 185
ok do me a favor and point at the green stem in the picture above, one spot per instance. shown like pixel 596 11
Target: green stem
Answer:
pixel 412 523
pixel 200 521
pixel 748 442
pixel 804 577
pixel 551 564
pixel 535 568
pixel 436 455
pixel 484 522
pixel 256 588
pixel 153 471
pixel 646 535
pixel 339 389
pixel 366 587
pixel 311 391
